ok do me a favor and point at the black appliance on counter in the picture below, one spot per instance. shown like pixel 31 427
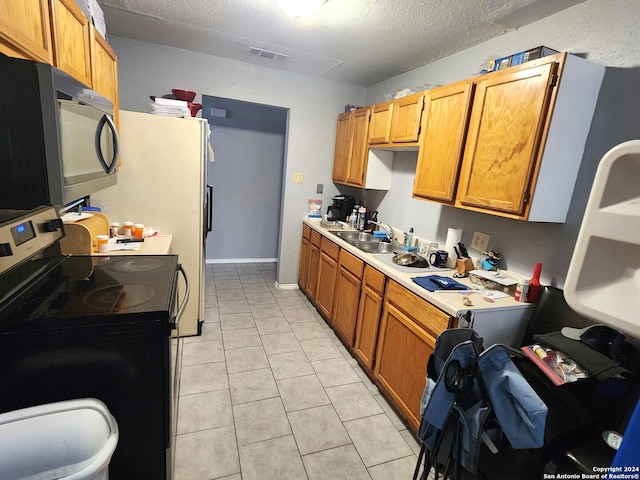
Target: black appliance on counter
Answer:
pixel 100 327
pixel 341 208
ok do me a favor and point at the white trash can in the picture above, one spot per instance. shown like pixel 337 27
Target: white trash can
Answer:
pixel 71 440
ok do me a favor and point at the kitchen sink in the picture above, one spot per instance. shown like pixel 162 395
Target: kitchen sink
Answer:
pixel 365 241
pixel 355 235
pixel 372 246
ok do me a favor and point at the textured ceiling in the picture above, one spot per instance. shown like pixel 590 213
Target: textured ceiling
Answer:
pixel 359 42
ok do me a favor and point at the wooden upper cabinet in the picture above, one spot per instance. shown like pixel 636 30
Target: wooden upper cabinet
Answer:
pixel 381 118
pixel 444 130
pixel 396 122
pixel 407 113
pixel 507 123
pixel 342 149
pixel 25 30
pixel 359 151
pixel 104 73
pixel 71 40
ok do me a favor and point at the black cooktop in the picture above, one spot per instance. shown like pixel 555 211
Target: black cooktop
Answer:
pixel 86 290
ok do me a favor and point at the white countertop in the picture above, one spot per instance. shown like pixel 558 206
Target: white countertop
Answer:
pixel 450 302
pixel 154 245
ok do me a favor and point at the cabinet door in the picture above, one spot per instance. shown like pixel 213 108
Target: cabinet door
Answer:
pixel 25 30
pixel 345 311
pixel 380 129
pixel 347 296
pixel 359 150
pixel 507 123
pixel 342 149
pixel 407 113
pixel 327 272
pixel 401 361
pixel 445 121
pixel 367 326
pixel 369 312
pixel 104 67
pixel 303 268
pixel 71 38
pixel 312 276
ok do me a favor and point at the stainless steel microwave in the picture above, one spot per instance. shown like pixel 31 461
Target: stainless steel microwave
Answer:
pixel 58 140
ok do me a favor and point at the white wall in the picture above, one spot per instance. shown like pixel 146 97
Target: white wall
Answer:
pixel 148 69
pixel 607 32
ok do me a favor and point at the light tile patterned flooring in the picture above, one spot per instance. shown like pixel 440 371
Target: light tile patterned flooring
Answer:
pixel 269 392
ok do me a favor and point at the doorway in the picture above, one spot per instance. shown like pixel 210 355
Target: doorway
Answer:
pixel 249 143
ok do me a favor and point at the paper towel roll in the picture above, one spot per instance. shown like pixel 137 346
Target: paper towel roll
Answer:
pixel 454 235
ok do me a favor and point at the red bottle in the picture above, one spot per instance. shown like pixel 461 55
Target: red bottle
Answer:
pixel 534 285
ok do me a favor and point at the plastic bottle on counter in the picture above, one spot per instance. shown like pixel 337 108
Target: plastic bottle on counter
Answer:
pixel 362 217
pixel 114 227
pixel 127 229
pixel 353 220
pixel 522 289
pixel 408 239
pixel 534 285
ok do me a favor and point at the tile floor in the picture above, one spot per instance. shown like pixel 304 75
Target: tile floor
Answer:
pixel 269 392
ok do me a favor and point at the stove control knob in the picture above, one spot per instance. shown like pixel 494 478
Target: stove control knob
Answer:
pixel 5 250
pixel 52 225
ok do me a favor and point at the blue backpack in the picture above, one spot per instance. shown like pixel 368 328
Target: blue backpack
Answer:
pixel 467 387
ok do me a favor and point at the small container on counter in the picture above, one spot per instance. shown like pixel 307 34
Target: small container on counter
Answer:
pixel 103 243
pixel 522 288
pixel 315 208
pixel 127 229
pixel 114 228
pixel 138 230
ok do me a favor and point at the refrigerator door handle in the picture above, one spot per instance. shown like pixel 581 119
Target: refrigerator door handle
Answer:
pixel 210 208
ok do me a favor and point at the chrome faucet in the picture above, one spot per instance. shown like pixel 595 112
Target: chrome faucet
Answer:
pixel 386 227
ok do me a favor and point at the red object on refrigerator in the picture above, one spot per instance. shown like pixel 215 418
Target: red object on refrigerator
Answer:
pixel 534 285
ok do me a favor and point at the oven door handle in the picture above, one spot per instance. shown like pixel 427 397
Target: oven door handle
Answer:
pixel 183 305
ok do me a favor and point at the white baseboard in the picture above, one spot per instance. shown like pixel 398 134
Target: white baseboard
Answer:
pixel 241 260
pixel 287 286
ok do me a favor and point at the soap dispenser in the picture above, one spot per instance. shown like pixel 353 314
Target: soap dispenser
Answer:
pixel 408 238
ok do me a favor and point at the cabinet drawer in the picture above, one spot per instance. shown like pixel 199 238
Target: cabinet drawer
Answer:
pixel 374 279
pixel 329 248
pixel 351 263
pixel 306 231
pixel 421 311
pixel 315 238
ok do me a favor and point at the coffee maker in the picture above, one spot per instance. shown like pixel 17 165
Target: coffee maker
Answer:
pixel 341 207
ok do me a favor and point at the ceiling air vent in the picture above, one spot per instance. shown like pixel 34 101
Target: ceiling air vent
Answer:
pixel 269 55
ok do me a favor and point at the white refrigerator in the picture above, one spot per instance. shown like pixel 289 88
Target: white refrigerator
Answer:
pixel 162 183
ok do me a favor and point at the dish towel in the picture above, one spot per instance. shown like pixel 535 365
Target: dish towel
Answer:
pixel 434 283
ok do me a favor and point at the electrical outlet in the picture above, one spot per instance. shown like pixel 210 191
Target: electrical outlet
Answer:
pixel 319 188
pixel 298 177
pixel 480 241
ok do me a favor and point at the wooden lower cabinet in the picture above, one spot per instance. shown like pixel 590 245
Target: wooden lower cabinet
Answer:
pixel 312 267
pixel 327 273
pixel 303 267
pixel 347 297
pixel 369 311
pixel 408 332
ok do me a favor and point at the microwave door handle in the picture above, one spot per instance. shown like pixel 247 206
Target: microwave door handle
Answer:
pixel 183 305
pixel 116 144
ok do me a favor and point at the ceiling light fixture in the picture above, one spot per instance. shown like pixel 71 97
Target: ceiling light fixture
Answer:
pixel 300 8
